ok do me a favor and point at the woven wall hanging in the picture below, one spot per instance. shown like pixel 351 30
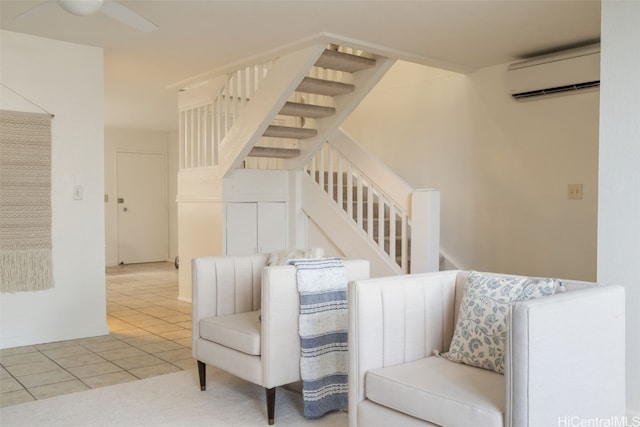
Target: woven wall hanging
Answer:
pixel 25 201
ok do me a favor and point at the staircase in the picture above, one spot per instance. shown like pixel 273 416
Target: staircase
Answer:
pixel 285 114
pixel 314 98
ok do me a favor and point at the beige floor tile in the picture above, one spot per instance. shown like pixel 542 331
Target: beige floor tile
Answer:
pixel 121 353
pixel 57 344
pixel 160 347
pixel 32 368
pixel 16 350
pixel 79 360
pixel 185 342
pixel 109 379
pixel 174 335
pixel 106 346
pixel 155 370
pixel 158 310
pixel 94 369
pixel 164 327
pixel 185 364
pixel 178 318
pixel 24 358
pixel 142 340
pixel 129 333
pixel 146 321
pixel 44 378
pixel 10 384
pixel 138 362
pixel 57 389
pixel 186 325
pixel 15 398
pixel 59 353
pixel 94 340
pixel 172 355
pixel 135 303
pixel 4 373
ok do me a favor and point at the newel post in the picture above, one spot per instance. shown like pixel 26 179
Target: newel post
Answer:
pixel 425 230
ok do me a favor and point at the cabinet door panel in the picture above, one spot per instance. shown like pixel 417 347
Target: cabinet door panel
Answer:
pixel 272 226
pixel 242 228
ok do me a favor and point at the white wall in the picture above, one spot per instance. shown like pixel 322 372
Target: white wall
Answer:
pixel 619 204
pixel 139 141
pixel 66 80
pixel 502 167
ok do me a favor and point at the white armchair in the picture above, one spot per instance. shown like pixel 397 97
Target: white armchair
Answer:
pixel 564 357
pixel 245 319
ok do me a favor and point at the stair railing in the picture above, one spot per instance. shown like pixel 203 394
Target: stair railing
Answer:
pixel 203 126
pixel 383 218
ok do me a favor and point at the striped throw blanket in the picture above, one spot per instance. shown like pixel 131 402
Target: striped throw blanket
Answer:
pixel 324 359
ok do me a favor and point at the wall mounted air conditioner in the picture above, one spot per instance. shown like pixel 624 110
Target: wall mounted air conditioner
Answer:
pixel 566 72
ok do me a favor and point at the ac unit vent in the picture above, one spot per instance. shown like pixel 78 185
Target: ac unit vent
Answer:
pixel 556 90
pixel 570 71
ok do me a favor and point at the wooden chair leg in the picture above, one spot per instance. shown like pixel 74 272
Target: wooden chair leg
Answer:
pixel 271 404
pixel 202 373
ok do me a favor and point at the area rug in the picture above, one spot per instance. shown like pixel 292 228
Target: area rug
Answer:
pixel 168 400
pixel 25 201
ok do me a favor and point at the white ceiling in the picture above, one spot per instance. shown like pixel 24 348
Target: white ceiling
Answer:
pixel 195 37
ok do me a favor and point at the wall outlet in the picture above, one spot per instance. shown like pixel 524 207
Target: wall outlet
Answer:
pixel 574 191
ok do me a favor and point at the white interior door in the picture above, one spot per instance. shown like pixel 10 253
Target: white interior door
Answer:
pixel 143 231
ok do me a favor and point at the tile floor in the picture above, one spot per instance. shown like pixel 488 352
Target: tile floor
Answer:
pixel 150 334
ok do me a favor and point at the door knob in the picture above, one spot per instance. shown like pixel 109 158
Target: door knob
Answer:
pixel 125 209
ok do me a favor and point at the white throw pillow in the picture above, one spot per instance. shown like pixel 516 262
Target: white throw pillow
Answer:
pixel 480 332
pixel 282 257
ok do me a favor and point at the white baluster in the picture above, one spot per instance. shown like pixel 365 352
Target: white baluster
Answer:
pixel 340 176
pixel 381 219
pixel 392 232
pixel 359 200
pixel 349 191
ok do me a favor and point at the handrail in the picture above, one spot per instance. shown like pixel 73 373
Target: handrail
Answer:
pixel 203 126
pixel 382 217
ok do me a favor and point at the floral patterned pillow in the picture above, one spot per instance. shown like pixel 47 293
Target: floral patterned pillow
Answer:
pixel 480 332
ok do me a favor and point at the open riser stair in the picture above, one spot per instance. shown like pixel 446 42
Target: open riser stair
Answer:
pixel 314 98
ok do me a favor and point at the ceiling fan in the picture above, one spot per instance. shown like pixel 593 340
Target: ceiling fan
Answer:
pixel 91 7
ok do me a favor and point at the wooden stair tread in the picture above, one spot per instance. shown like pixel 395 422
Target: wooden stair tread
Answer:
pixel 340 61
pixel 273 152
pixel 324 87
pixel 289 132
pixel 306 110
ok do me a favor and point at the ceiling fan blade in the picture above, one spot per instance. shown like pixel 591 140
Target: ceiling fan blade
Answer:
pixel 40 9
pixel 127 16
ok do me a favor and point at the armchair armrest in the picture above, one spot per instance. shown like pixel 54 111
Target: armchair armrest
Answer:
pixel 565 357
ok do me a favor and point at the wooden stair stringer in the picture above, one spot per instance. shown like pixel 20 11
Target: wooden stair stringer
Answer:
pixel 283 78
pixel 364 81
pixel 342 230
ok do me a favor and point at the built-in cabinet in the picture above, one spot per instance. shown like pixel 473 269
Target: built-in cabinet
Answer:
pixel 256 211
pixel 255 227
